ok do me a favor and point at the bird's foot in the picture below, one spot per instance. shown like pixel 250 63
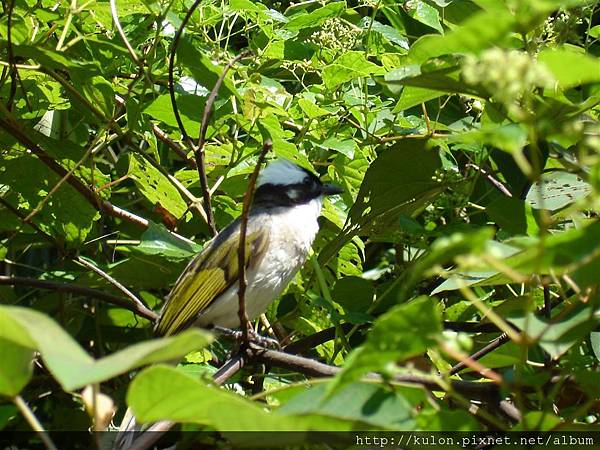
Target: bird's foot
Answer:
pixel 263 341
pixel 253 337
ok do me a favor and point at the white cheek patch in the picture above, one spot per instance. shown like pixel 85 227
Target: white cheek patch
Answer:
pixel 294 194
pixel 282 172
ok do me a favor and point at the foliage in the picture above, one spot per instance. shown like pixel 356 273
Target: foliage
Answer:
pixel 466 137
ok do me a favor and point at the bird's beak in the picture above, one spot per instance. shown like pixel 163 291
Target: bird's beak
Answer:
pixel 331 189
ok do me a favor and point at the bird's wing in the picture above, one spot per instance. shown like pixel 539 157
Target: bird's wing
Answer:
pixel 208 275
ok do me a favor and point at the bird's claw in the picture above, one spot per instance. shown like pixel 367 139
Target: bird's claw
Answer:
pixel 263 341
pixel 253 337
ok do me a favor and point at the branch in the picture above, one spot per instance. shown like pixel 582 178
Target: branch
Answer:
pixel 242 242
pixel 199 150
pixel 112 281
pixel 497 184
pixel 316 339
pixel 115 17
pixel 33 422
pixel 171 84
pixel 163 137
pixel 13 128
pixel 314 368
pixel 497 342
pixel 140 310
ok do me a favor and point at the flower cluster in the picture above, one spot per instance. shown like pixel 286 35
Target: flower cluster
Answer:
pixel 336 35
pixel 562 27
pixel 506 74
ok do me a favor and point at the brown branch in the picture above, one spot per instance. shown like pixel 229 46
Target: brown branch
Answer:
pixel 170 70
pixel 112 281
pixel 229 369
pixel 242 242
pixel 199 150
pixel 314 368
pixel 320 337
pixel 140 310
pixel 497 342
pixel 21 135
pixel 497 184
pixel 178 149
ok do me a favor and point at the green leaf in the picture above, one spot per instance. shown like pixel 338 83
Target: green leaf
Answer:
pixel 570 68
pixel 424 13
pixel 157 240
pixel 362 403
pixel 595 342
pixel 16 354
pixel 155 186
pixel 72 367
pixel 347 67
pixel 56 60
pixel 557 189
pixel 413 96
pixel 190 108
pixel 559 335
pixel 511 137
pixel 66 214
pixel 164 393
pixel 479 32
pixel 398 182
pixel 203 70
pixel 312 110
pixel 353 293
pixel 316 17
pixel 390 33
pixel 344 146
pixel 403 332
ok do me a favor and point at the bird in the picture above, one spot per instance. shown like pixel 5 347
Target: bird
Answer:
pixel 282 225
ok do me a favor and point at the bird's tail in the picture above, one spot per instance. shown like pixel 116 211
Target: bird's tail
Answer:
pixel 128 431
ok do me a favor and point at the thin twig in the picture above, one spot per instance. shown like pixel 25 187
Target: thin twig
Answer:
pixel 112 281
pixel 199 150
pixel 471 363
pixel 115 17
pixel 178 149
pixel 33 422
pixel 12 127
pixel 171 84
pixel 141 311
pixel 497 184
pixel 493 345
pixel 242 242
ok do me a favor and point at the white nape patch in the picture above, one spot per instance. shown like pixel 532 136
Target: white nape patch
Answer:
pixel 282 171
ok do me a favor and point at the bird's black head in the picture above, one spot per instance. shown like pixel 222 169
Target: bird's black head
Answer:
pixel 283 183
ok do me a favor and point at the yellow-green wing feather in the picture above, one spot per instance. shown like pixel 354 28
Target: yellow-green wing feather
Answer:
pixel 206 277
